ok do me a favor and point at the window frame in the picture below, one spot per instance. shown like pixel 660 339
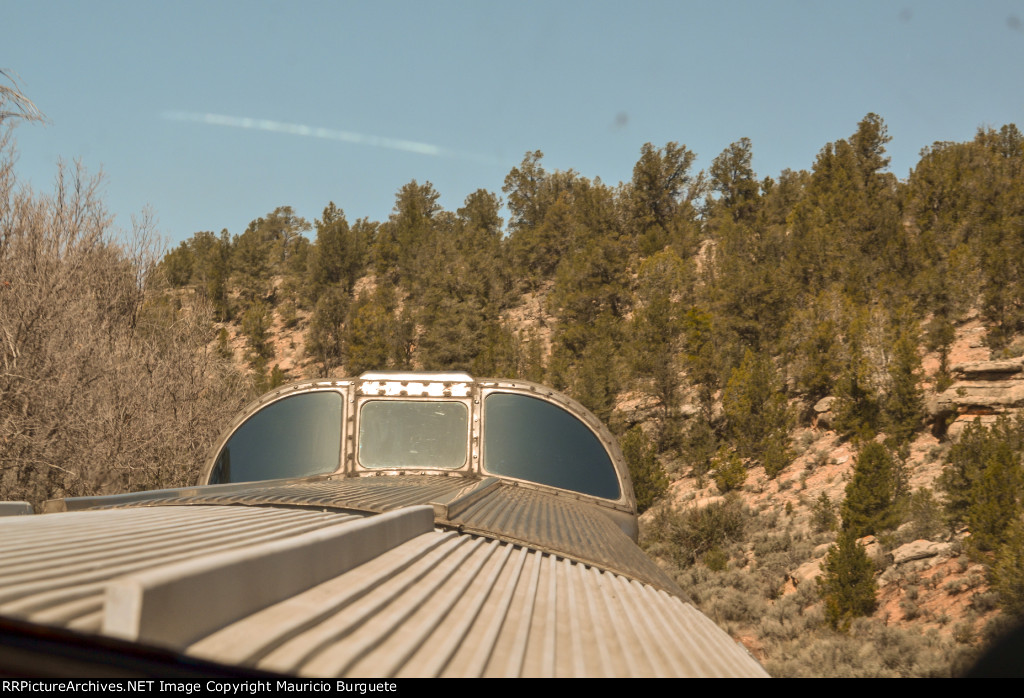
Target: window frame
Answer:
pixel 575 411
pixel 265 402
pixel 363 400
pixel 441 387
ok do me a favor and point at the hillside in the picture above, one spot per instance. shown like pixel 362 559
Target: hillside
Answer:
pixel 935 603
pixel 794 365
pixel 751 340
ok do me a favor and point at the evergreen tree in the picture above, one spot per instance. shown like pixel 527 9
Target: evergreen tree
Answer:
pixel 699 446
pixel 530 356
pixel 814 348
pixel 542 226
pixel 661 197
pixel 939 335
pixel 994 497
pixel 732 176
pixel 1008 569
pixel 702 357
pixel 649 480
pixel 728 471
pixel 823 514
pixel 973 498
pixel 847 584
pixel 177 266
pixel 408 233
pixel 594 376
pixel 336 259
pixel 498 355
pixel 263 250
pixel 213 266
pixel 870 504
pixel 256 327
pixel 904 403
pixel 858 411
pixel 847 228
pixel 368 327
pixel 325 336
pixel 757 414
pixel 657 328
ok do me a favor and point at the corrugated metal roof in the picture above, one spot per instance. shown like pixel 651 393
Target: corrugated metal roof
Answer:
pixel 447 604
pixel 55 568
pixel 369 494
pixel 441 603
pixel 560 525
pixel 550 522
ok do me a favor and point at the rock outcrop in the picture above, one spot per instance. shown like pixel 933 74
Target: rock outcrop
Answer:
pixel 982 389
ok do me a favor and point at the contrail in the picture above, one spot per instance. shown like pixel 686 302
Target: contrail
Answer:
pixel 318 132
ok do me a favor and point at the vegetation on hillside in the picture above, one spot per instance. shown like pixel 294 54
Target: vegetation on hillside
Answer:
pixel 700 314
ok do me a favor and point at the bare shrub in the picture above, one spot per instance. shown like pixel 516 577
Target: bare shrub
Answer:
pixel 13 102
pixel 105 386
pixel 693 532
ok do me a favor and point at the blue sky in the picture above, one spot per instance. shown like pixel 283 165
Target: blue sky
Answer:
pixel 215 113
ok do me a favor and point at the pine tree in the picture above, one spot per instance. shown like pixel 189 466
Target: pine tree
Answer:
pixel 870 505
pixel 1008 569
pixel 657 329
pixel 661 197
pixel 757 414
pixel 333 259
pixel 847 584
pixel 256 328
pixel 994 498
pixel 368 328
pixel 732 176
pixel 325 336
pixel 904 403
pixel 823 514
pixel 649 480
pixel 983 479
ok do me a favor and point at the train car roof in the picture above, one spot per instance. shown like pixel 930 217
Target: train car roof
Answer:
pixel 441 568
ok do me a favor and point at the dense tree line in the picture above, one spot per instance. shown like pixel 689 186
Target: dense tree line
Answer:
pixel 728 302
pixel 694 288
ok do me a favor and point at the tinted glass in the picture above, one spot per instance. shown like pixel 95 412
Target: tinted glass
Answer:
pixel 533 440
pixel 293 437
pixel 413 434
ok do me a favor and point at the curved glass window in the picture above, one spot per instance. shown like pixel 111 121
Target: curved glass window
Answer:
pixel 413 434
pixel 293 437
pixel 534 440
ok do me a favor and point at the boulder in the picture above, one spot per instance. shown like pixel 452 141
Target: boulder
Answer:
pixel 824 404
pixel 919 550
pixel 807 572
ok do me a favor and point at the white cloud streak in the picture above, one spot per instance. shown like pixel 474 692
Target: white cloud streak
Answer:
pixel 318 132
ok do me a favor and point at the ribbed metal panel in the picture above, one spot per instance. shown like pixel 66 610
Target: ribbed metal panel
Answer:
pixel 560 525
pixel 54 568
pixel 515 514
pixel 371 494
pixel 447 604
pixel 443 603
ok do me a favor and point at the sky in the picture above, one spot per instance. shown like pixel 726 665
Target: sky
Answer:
pixel 211 114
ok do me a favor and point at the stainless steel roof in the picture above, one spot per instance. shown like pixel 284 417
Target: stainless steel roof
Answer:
pixel 554 523
pixel 333 594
